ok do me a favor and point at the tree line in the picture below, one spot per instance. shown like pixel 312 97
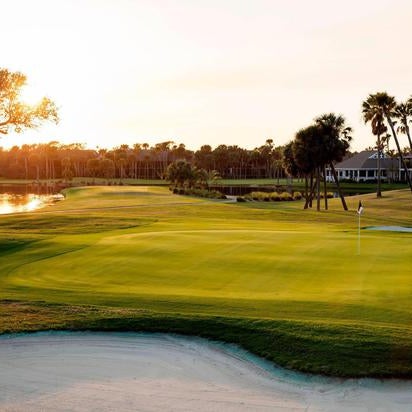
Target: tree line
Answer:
pixel 55 160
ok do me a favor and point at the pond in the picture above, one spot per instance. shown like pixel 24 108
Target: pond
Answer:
pixel 22 198
pixel 59 371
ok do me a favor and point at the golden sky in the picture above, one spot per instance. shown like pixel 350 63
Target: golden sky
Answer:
pixel 204 71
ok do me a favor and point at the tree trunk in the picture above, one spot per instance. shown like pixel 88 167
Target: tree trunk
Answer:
pixel 26 168
pixel 325 193
pixel 306 188
pixel 308 201
pixel 311 184
pixel 335 178
pixel 378 189
pixel 317 189
pixel 408 178
pixel 409 135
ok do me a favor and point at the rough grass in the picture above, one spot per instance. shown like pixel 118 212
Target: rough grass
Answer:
pixel 284 283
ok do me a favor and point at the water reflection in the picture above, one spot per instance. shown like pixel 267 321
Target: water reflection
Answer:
pixel 12 203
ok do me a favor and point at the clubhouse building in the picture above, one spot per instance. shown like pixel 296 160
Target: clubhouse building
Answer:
pixel 363 167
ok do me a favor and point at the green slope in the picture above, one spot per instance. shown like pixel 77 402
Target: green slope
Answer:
pixel 285 283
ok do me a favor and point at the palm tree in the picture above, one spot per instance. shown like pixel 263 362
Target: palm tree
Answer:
pixel 384 104
pixel 373 113
pixel 290 166
pixel 179 172
pixel 403 112
pixel 334 144
pixel 306 150
pixel 212 176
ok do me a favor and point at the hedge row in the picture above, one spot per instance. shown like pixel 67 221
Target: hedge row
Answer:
pixel 210 194
pixel 274 196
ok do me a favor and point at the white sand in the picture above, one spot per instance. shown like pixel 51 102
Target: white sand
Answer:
pixel 143 372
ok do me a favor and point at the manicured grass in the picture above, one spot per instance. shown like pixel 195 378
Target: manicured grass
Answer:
pixel 299 184
pixel 296 184
pixel 285 283
pixel 76 181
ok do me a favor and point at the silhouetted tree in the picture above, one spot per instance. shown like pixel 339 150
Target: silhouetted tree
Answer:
pixel 403 112
pixel 16 115
pixel 384 104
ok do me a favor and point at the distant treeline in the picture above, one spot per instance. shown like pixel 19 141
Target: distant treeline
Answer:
pixel 54 160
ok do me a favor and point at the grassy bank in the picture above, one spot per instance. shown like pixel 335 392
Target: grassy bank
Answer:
pixel 295 184
pixel 284 283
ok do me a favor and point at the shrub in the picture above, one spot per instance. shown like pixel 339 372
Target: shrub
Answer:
pixel 274 196
pixel 297 195
pixel 286 196
pixel 240 199
pixel 254 195
pixel 213 194
pixel 259 196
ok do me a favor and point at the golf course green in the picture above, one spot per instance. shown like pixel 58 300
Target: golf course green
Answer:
pixel 288 284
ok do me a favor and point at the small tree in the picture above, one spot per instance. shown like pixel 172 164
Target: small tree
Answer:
pixel 205 178
pixel 179 172
pixel 16 115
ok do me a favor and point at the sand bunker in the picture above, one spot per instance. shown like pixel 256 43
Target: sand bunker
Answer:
pixel 390 228
pixel 143 372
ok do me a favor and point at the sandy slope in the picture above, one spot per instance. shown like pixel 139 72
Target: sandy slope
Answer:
pixel 143 372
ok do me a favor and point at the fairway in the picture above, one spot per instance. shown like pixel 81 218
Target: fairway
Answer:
pixel 285 283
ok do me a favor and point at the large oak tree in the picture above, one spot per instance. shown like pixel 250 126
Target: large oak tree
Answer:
pixel 16 115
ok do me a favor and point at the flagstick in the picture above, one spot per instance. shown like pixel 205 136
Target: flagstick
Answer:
pixel 360 210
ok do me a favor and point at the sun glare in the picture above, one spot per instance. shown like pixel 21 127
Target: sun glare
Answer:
pixel 30 94
pixel 9 204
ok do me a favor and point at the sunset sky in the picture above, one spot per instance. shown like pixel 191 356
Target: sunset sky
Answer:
pixel 204 71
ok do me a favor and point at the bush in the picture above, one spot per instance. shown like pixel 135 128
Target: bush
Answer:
pixel 240 199
pixel 286 196
pixel 213 194
pixel 274 196
pixel 329 195
pixel 259 196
